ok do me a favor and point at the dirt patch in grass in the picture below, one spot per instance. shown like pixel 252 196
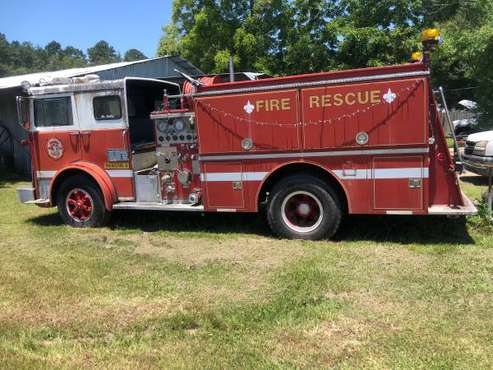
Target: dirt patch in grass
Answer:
pixel 88 313
pixel 327 343
pixel 244 267
pixel 257 252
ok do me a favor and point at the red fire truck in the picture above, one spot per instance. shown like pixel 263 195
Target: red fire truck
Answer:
pixel 308 149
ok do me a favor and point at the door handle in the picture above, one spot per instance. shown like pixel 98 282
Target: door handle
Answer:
pixel 74 139
pixel 86 139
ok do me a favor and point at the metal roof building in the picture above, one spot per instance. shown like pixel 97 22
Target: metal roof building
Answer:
pixel 14 154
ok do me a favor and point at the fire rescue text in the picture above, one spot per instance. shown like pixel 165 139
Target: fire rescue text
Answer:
pixel 322 101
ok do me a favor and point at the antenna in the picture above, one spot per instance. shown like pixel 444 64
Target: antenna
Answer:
pixel 193 81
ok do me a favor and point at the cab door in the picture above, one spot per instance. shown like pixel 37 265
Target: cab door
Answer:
pixel 103 136
pixel 55 136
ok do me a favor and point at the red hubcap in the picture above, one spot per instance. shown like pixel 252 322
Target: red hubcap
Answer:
pixel 79 205
pixel 302 211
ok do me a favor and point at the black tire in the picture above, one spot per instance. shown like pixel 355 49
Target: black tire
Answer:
pixel 78 186
pixel 310 193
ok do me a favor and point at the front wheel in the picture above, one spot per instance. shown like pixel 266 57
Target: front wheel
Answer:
pixel 304 207
pixel 80 203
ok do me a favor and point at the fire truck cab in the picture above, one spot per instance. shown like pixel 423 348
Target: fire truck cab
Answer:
pixel 309 149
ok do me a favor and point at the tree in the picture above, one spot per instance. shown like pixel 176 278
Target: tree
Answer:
pixel 292 36
pixel 54 57
pixel 377 32
pixel 299 36
pixel 462 65
pixel 4 46
pixel 73 58
pixel 53 48
pixel 203 32
pixel 21 58
pixel 102 53
pixel 133 55
pixel 169 42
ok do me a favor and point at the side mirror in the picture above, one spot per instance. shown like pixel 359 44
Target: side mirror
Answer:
pixel 24 112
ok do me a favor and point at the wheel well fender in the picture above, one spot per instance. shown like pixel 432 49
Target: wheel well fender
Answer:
pixel 306 168
pixel 91 171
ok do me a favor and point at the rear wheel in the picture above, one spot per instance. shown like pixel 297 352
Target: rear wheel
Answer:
pixel 303 207
pixel 80 203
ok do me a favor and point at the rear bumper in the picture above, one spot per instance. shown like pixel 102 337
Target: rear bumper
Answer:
pixel 468 209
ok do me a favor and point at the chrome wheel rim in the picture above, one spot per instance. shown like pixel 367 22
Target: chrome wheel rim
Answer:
pixel 79 204
pixel 302 211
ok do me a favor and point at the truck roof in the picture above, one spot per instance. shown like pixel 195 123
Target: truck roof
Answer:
pixel 385 72
pixel 94 85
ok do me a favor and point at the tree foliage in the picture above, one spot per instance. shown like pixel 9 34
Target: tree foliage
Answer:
pixel 21 58
pixel 463 63
pixel 133 55
pixel 103 53
pixel 292 36
pixel 298 36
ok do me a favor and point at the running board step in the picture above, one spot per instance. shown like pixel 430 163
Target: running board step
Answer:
pixel 159 207
pixel 38 202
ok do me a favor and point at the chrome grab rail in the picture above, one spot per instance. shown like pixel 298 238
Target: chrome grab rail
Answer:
pixel 450 124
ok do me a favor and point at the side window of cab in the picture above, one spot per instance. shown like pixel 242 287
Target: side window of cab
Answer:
pixel 53 112
pixel 108 107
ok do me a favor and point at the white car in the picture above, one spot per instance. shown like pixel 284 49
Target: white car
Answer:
pixel 478 153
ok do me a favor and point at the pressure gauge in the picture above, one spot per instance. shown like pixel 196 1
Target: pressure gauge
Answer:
pixel 179 125
pixel 162 126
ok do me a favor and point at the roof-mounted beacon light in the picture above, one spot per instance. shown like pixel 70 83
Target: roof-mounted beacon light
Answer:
pixel 416 56
pixel 430 34
pixel 25 85
pixel 430 38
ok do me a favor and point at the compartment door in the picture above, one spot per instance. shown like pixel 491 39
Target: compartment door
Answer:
pixel 224 186
pixel 398 183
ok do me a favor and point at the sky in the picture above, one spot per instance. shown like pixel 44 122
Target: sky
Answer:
pixel 125 24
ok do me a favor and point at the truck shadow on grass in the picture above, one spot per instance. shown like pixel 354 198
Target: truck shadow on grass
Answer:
pixel 405 230
pixel 392 229
pixel 396 229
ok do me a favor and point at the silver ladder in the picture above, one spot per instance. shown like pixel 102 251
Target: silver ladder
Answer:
pixel 457 153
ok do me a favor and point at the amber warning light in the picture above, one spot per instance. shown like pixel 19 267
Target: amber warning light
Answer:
pixel 417 56
pixel 430 38
pixel 430 34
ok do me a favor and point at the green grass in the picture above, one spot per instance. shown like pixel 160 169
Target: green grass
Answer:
pixel 190 291
pixel 450 143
